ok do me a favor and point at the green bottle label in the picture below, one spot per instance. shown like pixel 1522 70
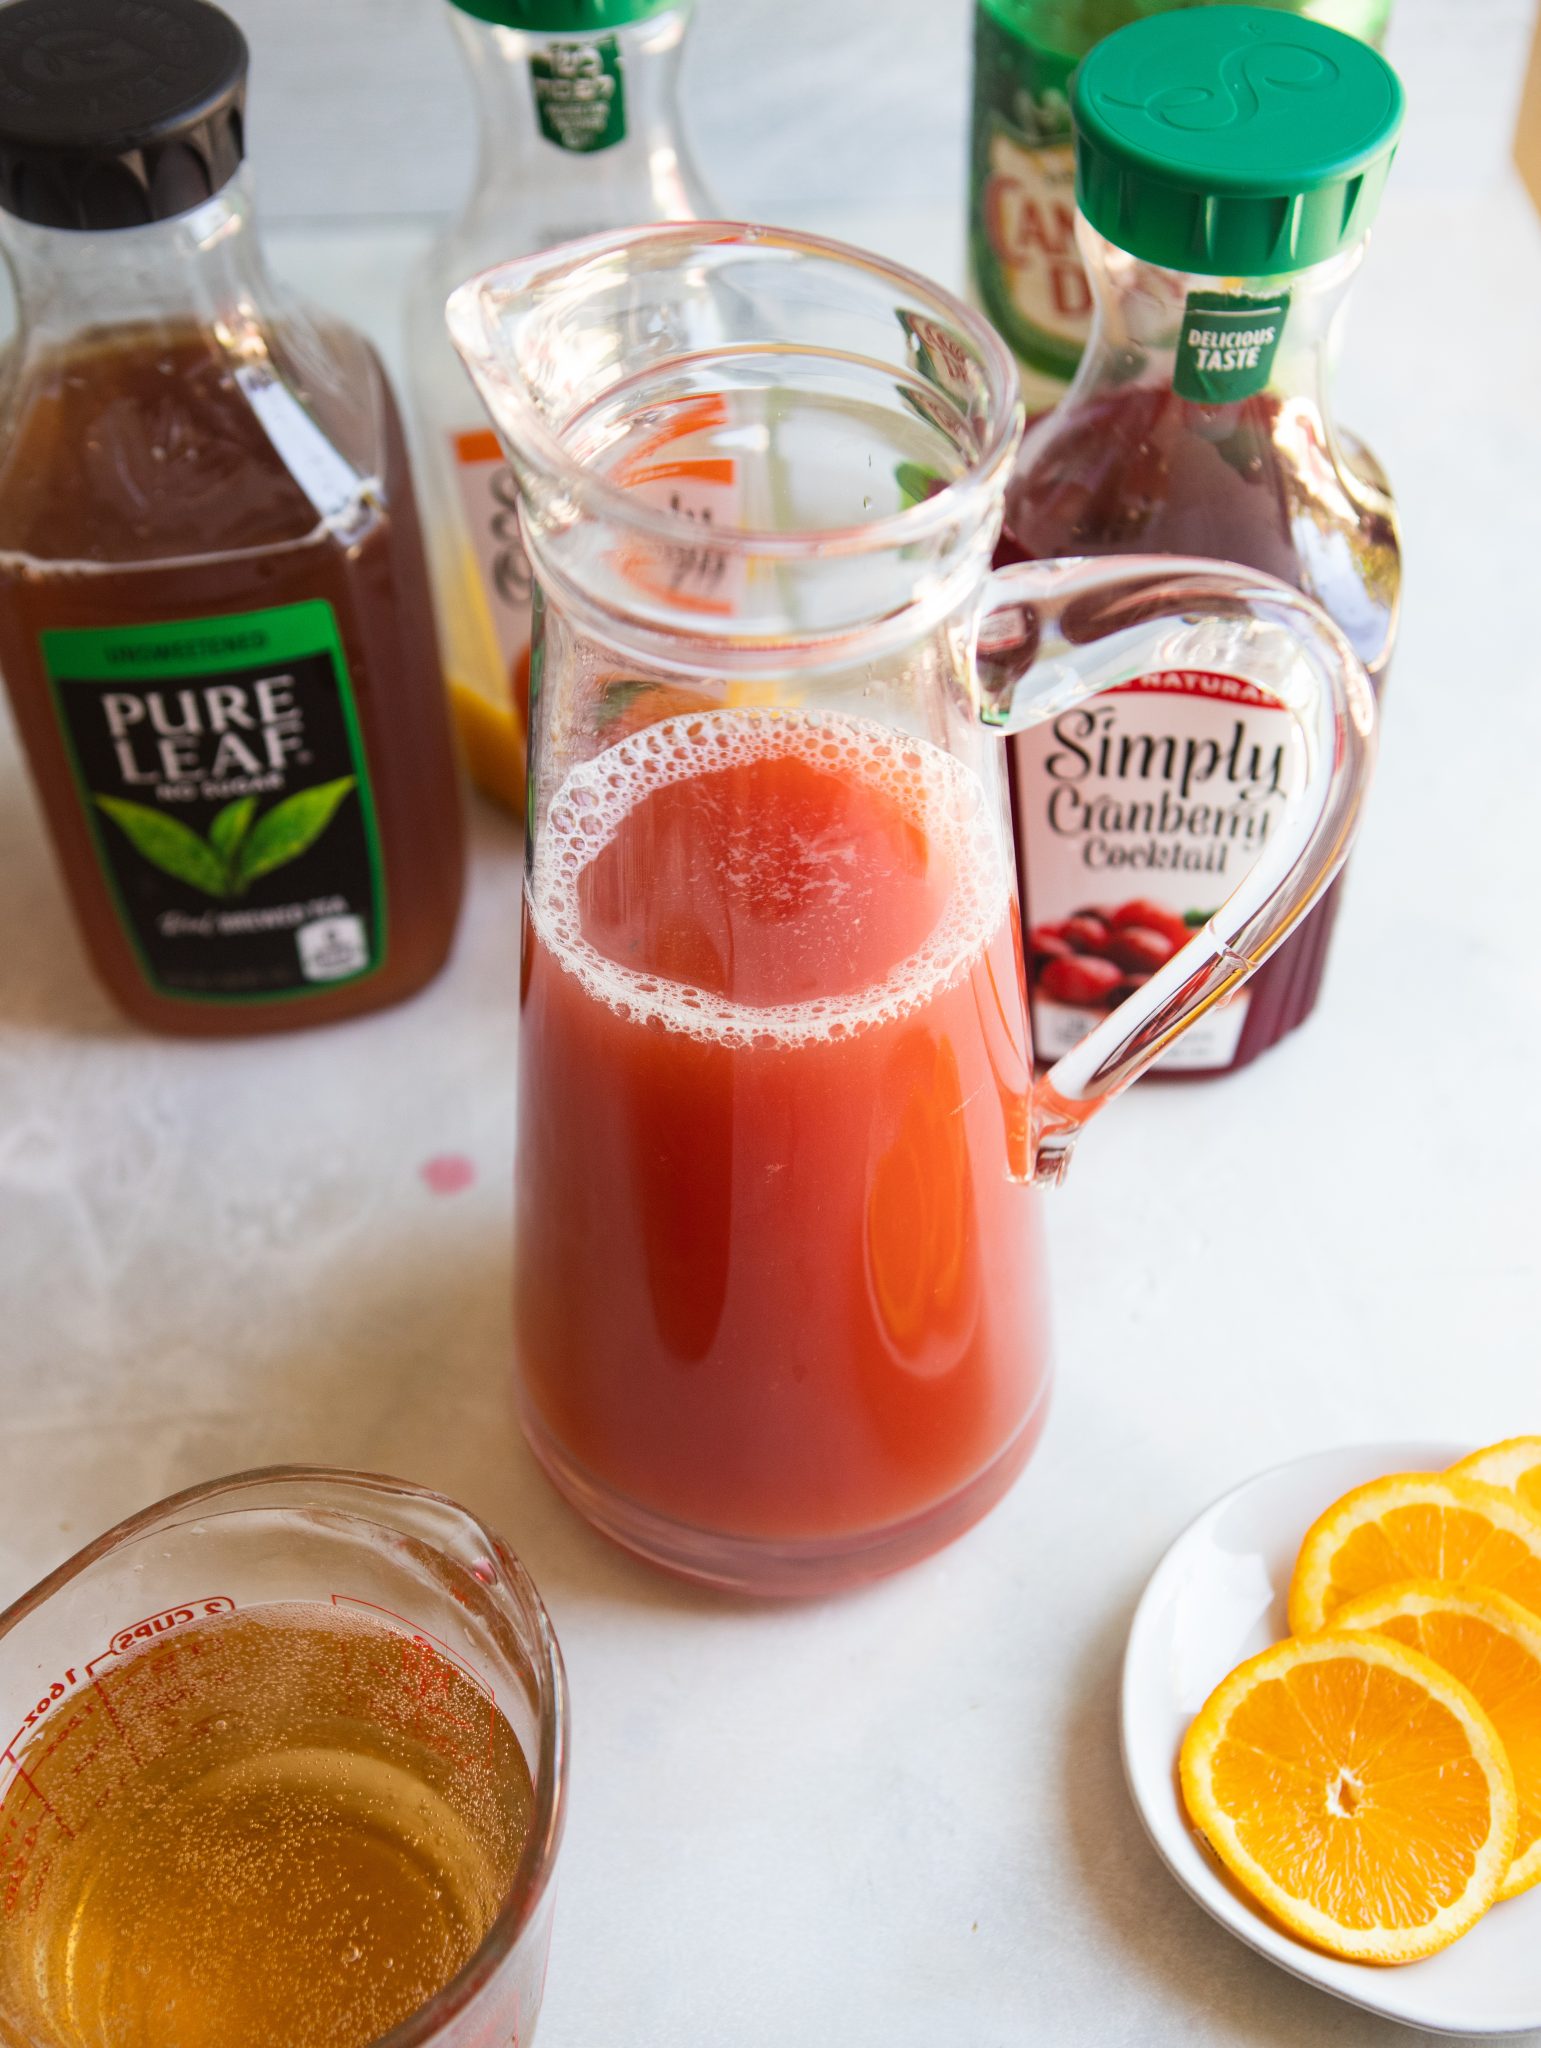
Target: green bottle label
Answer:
pixel 580 93
pixel 1022 199
pixel 1227 345
pixel 222 774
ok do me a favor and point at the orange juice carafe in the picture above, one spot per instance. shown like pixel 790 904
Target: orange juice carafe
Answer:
pixel 578 130
pixel 780 1298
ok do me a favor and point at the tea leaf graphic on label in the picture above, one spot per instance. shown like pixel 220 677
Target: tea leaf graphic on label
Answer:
pixel 167 844
pixel 289 829
pixel 229 827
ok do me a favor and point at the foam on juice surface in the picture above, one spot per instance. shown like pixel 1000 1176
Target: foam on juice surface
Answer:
pixel 945 799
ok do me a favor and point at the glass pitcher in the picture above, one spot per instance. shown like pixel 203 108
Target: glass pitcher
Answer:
pixel 780 1298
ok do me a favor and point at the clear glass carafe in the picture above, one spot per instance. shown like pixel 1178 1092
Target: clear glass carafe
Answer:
pixel 781 1316
pixel 539 180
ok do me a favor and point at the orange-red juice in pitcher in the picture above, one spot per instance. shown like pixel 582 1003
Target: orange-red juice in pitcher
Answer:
pixel 775 1062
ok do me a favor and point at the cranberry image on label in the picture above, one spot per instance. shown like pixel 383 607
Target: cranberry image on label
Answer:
pixel 1138 813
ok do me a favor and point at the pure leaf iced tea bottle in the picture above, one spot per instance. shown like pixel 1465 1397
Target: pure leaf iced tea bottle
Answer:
pixel 215 622
pixel 578 130
pixel 1229 163
pixel 1026 269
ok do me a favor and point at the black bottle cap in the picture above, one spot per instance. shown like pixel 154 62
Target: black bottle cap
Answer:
pixel 114 113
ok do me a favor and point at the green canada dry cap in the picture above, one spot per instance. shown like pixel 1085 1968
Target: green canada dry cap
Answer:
pixel 114 113
pixel 1233 141
pixel 563 17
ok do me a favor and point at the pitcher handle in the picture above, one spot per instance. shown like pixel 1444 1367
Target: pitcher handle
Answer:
pixel 1053 634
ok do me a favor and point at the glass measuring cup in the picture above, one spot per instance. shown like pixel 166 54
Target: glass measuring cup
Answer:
pixel 779 1292
pixel 151 1662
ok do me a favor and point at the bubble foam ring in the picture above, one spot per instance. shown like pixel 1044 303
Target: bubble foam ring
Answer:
pixel 945 799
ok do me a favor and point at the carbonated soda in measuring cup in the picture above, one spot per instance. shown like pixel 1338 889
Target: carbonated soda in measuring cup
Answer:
pixel 780 1295
pixel 285 1770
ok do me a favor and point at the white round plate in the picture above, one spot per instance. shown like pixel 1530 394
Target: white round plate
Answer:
pixel 1216 1597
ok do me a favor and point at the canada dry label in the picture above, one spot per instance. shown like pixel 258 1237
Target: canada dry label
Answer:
pixel 1022 199
pixel 1138 814
pixel 580 93
pixel 223 776
pixel 1227 345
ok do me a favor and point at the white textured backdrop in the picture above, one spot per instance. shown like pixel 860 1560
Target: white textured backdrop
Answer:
pixel 359 107
pixel 899 1820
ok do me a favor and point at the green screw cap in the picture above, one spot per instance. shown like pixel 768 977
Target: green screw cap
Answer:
pixel 563 17
pixel 1233 141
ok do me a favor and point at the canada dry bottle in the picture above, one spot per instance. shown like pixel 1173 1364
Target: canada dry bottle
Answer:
pixel 579 131
pixel 1229 163
pixel 215 624
pixel 1027 273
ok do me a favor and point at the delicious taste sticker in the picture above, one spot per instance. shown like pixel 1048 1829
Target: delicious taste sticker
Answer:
pixel 1227 346
pixel 1139 813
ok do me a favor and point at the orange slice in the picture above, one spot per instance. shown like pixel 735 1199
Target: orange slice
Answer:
pixel 1415 1525
pixel 1493 1646
pixel 1515 1465
pixel 1357 1792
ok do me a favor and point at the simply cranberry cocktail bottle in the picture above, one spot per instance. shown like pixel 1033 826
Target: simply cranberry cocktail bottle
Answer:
pixel 780 1301
pixel 1229 163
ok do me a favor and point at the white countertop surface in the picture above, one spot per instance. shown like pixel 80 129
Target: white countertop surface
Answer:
pixel 896 1820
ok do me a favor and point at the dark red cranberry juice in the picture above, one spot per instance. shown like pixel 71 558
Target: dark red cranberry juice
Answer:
pixel 1139 470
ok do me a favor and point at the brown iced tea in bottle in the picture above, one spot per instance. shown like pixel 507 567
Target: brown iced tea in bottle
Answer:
pixel 1229 161
pixel 215 624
